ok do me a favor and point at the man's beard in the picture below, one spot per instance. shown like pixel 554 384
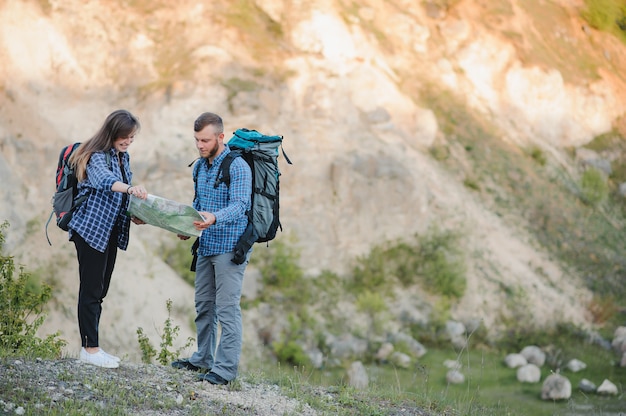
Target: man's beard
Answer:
pixel 213 151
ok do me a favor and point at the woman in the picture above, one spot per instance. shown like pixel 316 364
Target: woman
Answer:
pixel 101 224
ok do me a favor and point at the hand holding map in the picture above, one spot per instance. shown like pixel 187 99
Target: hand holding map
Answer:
pixel 167 214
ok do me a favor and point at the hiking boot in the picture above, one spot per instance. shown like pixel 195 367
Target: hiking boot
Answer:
pixel 184 364
pixel 213 378
pixel 99 359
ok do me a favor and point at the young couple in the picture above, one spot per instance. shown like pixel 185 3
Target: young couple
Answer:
pixel 101 225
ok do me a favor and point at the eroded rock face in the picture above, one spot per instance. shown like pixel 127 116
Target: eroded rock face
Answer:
pixel 354 125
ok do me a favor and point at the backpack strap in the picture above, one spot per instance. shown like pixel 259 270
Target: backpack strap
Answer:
pixel 196 172
pixel 224 175
pixel 283 150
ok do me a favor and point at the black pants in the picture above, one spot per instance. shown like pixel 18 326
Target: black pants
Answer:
pixel 95 270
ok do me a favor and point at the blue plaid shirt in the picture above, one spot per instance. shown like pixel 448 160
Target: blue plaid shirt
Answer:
pixel 95 218
pixel 228 203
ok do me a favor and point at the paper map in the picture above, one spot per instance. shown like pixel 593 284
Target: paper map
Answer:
pixel 167 214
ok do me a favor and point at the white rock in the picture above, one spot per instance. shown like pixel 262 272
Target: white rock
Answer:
pixel 556 387
pixel 400 359
pixel 607 388
pixel 529 373
pixel 452 364
pixel 515 360
pixel 575 365
pixel 357 375
pixel 534 355
pixel 620 331
pixel 455 377
pixel 384 351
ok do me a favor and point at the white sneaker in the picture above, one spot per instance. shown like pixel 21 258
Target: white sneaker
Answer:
pixel 113 357
pixel 99 359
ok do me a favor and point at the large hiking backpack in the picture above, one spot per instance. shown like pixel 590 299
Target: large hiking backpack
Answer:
pixel 64 201
pixel 261 153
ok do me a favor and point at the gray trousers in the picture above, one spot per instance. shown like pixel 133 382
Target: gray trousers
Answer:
pixel 218 294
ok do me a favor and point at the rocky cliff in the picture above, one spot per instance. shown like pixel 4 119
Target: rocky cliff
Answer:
pixel 350 85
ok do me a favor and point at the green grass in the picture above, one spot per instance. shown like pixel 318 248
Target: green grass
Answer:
pixel 490 388
pixel 608 16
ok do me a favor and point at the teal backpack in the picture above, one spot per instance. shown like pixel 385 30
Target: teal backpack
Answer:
pixel 260 151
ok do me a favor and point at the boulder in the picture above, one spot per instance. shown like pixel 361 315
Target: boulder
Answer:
pixel 619 340
pixel 515 360
pixel 586 386
pixel 575 365
pixel 400 359
pixel 556 387
pixel 534 355
pixel 452 364
pixel 414 346
pixel 384 351
pixel 455 377
pixel 357 376
pixel 607 388
pixel 529 373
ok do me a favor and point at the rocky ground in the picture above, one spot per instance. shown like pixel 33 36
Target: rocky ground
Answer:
pixel 67 386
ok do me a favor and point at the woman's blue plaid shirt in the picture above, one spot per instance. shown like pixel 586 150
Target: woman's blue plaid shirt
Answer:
pixel 95 218
pixel 228 203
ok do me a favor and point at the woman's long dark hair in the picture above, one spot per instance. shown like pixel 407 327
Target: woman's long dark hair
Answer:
pixel 120 123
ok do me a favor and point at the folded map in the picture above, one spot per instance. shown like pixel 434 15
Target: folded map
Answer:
pixel 167 214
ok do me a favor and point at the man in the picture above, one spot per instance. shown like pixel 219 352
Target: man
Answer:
pixel 218 280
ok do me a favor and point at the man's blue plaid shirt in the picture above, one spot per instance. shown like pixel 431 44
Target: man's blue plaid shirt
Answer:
pixel 228 203
pixel 95 218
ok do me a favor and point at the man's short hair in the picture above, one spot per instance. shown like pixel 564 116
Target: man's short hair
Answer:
pixel 207 119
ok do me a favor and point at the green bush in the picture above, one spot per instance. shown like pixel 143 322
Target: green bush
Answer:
pixel 169 334
pixel 434 259
pixel 281 273
pixel 287 350
pixel 441 264
pixel 22 312
pixel 538 155
pixel 371 271
pixel 594 187
pixel 607 15
pixel 373 305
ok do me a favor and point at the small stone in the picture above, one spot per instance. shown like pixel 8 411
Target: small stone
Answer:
pixel 586 386
pixel 576 365
pixel 455 377
pixel 607 388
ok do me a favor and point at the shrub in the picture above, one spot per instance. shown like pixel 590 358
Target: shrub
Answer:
pixel 373 305
pixel 281 273
pixel 169 334
pixel 594 187
pixel 435 258
pixel 607 15
pixel 441 264
pixel 287 350
pixel 22 312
